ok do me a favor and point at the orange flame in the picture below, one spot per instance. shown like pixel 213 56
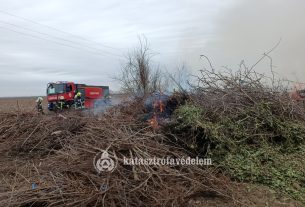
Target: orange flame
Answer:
pixel 162 106
pixel 153 122
pixel 158 106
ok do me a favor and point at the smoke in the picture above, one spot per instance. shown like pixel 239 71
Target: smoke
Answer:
pixel 249 28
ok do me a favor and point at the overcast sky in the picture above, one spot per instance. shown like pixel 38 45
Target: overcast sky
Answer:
pixel 84 41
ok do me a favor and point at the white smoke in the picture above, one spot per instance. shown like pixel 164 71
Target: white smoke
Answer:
pixel 252 27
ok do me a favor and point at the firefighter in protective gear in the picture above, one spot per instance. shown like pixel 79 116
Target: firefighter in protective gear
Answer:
pixel 39 106
pixel 78 100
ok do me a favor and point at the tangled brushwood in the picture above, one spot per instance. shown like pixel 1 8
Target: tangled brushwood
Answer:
pixel 47 160
pixel 249 125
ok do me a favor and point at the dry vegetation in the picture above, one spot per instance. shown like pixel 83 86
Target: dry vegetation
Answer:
pixel 55 153
pixel 20 103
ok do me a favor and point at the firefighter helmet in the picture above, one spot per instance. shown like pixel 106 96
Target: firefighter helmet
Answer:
pixel 39 99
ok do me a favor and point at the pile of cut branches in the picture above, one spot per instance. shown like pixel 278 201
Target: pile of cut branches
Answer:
pixel 249 125
pixel 47 160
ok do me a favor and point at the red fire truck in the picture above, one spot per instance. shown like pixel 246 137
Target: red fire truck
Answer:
pixel 61 95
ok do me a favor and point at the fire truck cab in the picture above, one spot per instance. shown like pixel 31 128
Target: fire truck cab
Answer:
pixel 61 95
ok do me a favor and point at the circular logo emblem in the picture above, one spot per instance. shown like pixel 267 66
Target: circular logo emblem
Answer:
pixel 103 163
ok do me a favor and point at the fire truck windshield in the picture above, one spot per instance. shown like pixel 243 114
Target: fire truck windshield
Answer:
pixel 56 89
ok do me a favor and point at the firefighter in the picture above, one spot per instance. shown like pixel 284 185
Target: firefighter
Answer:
pixel 78 100
pixel 39 104
pixel 60 105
